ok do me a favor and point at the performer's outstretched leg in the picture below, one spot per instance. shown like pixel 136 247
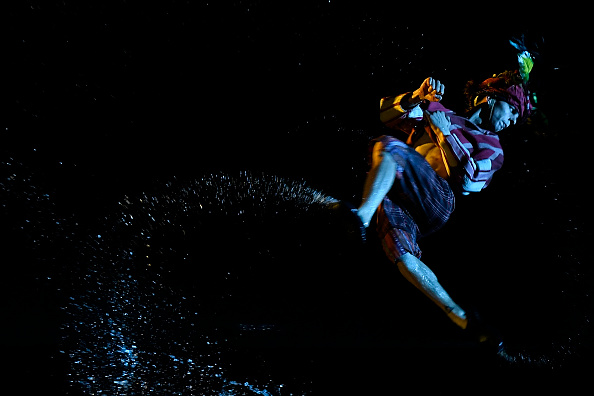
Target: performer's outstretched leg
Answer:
pixel 417 273
pixel 389 164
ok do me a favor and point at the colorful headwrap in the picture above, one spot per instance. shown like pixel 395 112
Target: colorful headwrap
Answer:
pixel 510 87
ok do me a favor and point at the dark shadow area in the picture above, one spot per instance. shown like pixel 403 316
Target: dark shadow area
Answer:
pixel 159 170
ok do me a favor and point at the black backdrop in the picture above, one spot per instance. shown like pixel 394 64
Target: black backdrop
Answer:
pixel 102 99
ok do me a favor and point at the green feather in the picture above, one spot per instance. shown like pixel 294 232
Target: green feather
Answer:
pixel 526 64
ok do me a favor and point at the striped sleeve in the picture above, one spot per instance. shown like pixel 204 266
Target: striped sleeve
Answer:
pixel 394 116
pixel 480 168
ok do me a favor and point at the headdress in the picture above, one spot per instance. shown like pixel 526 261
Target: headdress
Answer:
pixel 510 86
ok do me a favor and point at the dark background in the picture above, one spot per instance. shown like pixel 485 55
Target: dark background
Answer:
pixel 100 99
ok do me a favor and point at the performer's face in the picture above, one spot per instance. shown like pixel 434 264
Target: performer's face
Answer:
pixel 503 115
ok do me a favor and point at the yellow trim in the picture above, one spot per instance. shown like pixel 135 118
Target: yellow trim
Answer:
pixel 390 109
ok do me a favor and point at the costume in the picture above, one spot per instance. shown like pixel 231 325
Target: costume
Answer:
pixel 419 202
pixel 431 166
pixel 466 155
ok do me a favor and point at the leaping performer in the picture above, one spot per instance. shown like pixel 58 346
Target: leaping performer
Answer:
pixel 412 184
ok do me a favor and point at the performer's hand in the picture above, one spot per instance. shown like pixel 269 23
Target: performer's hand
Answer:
pixel 438 120
pixel 431 90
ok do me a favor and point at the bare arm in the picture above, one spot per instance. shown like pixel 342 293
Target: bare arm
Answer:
pixel 394 110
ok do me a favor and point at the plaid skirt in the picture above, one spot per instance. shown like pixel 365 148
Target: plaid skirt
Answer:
pixel 419 203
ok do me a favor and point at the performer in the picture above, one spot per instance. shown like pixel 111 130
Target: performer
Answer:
pixel 412 185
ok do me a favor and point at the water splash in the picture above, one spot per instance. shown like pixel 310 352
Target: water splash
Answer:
pixel 142 305
pixel 131 330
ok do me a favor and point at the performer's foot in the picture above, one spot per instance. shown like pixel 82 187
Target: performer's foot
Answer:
pixel 488 336
pixel 349 219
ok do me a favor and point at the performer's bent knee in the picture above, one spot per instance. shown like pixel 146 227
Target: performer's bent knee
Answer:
pixel 391 150
pixel 378 153
pixel 381 153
